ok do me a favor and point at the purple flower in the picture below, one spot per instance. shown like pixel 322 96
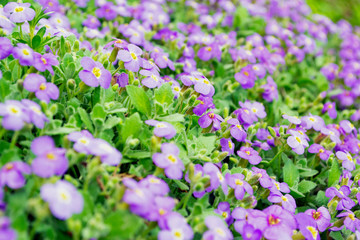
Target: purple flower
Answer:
pixel 246 77
pixel 24 54
pixel 45 62
pixel 43 90
pixel 249 232
pixel 330 71
pixel 203 86
pixel 236 130
pixel 203 106
pixel 216 177
pixel 131 57
pixel 49 160
pixel 82 141
pixel 94 73
pixel 245 116
pixel 256 108
pixel 151 80
pixel 122 79
pixel 297 142
pixel 351 222
pixel 264 179
pixel 12 174
pixel 162 129
pixel 107 153
pixel 107 11
pixel 176 228
pixel 347 160
pixel 287 201
pixel 240 215
pixel 237 182
pixel 224 210
pixel 20 12
pixel 210 118
pixel 323 153
pixel 208 52
pixel 307 226
pixel 274 221
pixel 292 119
pixel 162 207
pixel 270 90
pixel 14 115
pixel 63 198
pixel 347 126
pixel 330 108
pixel 249 154
pixel 321 217
pixel 5 47
pixel 277 187
pixel 37 117
pixel 169 160
pixel 227 145
pixel 217 229
pixel 6 233
pixel 315 122
pixel 163 61
pixel 156 185
pixel 342 194
pixel 91 22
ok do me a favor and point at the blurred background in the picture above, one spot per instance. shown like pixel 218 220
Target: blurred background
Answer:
pixel 337 9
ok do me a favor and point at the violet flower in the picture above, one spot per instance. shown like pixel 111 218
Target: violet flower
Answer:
pixel 217 229
pixel 237 182
pixel 330 108
pixel 347 160
pixel 43 90
pixel 323 153
pixel 20 12
pixel 162 129
pixel 227 146
pixel 307 226
pixel 6 232
pixel 12 174
pixel 286 201
pixel 203 106
pixel 342 194
pixel 5 47
pixel 151 80
pixel 107 153
pixel 236 130
pixel 94 73
pixel 351 222
pixel 45 62
pixel 24 54
pixel 315 122
pixel 14 115
pixel 224 210
pixel 249 154
pixel 297 142
pixel 82 141
pixel 37 117
pixel 210 118
pixel 169 161
pixel 49 160
pixel 63 198
pixel 131 57
pixel 176 228
pixel 321 216
pixel 246 77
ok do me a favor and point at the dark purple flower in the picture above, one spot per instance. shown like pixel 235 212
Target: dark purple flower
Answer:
pixel 210 118
pixel 169 160
pixel 162 129
pixel 24 54
pixel 12 174
pixel 107 11
pixel 14 115
pixel 227 145
pixel 49 160
pixel 318 149
pixel 45 62
pixel 237 182
pixel 307 226
pixel 20 12
pixel 217 229
pixel 330 108
pixel 122 79
pixel 205 104
pixel 330 71
pixel 37 117
pixel 249 154
pixel 94 73
pixel 270 90
pixel 131 57
pixel 6 233
pixel 43 90
pixel 63 198
pixel 246 77
pixel 321 217
pixel 5 47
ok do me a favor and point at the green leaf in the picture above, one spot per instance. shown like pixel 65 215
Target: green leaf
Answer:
pixel 36 41
pixel 321 199
pixel 85 118
pixel 290 172
pixel 61 130
pixel 131 127
pixel 70 70
pixel 41 32
pixel 306 186
pixel 295 193
pixel 164 94
pixel 138 154
pixel 177 117
pixel 123 225
pixel 111 122
pixel 181 185
pixel 4 89
pixel 334 173
pixel 139 99
pixel 98 112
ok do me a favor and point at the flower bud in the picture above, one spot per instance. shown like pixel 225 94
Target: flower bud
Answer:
pixel 71 84
pixel 332 206
pixel 76 46
pixel 115 87
pixel 113 54
pixel 221 156
pixel 67 46
pixel 272 132
pixel 133 143
pixel 20 85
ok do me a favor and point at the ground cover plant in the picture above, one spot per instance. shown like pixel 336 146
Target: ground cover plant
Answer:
pixel 178 120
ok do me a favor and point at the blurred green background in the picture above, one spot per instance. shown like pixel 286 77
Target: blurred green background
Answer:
pixel 337 9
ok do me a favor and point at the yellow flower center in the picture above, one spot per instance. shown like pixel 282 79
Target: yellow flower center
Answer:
pixel 208 49
pixel 19 9
pixel 246 73
pixel 9 166
pixel 177 234
pixel 43 60
pixel 313 232
pixel 312 119
pixel 97 72
pixel 298 139
pixel 220 232
pixel 14 110
pixel 162 211
pixel 154 180
pixel 26 52
pixel 239 126
pixel 321 150
pixel 254 110
pixel 284 198
pixel 273 220
pixel 349 157
pixel 211 115
pixel 230 144
pixel 246 111
pixel 64 196
pixel 316 215
pixel 351 216
pixel 239 182
pixel 172 158
pixel 224 214
pixel 133 56
pixel 160 125
pixel 50 156
pixel 42 87
pixel 206 82
pixel 247 152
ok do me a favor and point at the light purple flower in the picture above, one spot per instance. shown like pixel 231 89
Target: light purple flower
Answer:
pixel 43 90
pixel 162 129
pixel 24 54
pixel 330 108
pixel 82 140
pixel 323 153
pixel 151 80
pixel 224 210
pixel 249 154
pixel 246 77
pixel 20 12
pixel 237 182
pixel 345 202
pixel 297 142
pixel 236 130
pixel 63 198
pixel 168 159
pixel 347 160
pixel 49 160
pixel 351 222
pixel 315 122
pixel 94 73
pixel 210 118
pixel 14 115
pixel 321 216
pixel 6 233
pixel 131 57
pixel 12 174
pixel 45 62
pixel 176 228
pixel 287 201
pixel 37 117
pixel 107 153
pixel 292 119
pixel 205 104
pixel 307 226
pixel 227 146
pixel 217 229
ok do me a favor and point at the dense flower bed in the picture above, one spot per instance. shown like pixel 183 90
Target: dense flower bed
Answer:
pixel 178 120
